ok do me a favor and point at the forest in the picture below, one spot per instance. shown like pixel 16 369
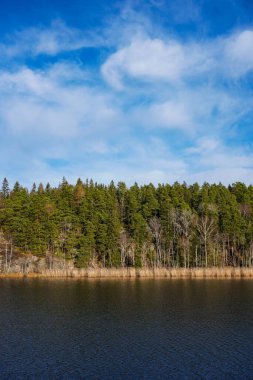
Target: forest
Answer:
pixel 98 225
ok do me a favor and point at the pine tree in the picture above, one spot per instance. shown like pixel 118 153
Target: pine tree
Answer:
pixel 5 188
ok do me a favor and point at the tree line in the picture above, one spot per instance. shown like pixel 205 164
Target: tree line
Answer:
pixel 143 226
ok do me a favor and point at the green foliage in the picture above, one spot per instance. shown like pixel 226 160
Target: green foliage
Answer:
pixel 170 225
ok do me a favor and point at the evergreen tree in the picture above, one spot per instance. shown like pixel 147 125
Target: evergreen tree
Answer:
pixel 5 188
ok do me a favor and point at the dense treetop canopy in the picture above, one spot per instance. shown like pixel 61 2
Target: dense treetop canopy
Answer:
pixel 113 225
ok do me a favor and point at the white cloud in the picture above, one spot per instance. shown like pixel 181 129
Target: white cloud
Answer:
pixel 145 58
pixel 215 161
pixel 51 114
pixel 192 110
pixel 45 102
pixel 170 114
pixel 50 40
pixel 157 59
pixel 205 145
pixel 238 53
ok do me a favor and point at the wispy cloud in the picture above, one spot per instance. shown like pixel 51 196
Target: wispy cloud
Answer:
pixel 50 40
pixel 215 161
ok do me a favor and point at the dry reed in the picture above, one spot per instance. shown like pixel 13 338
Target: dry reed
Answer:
pixel 194 273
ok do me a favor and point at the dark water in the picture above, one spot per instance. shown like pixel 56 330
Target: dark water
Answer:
pixel 138 329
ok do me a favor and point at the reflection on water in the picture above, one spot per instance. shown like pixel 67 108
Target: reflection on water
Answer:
pixel 131 329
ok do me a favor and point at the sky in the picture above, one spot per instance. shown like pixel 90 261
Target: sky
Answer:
pixel 137 91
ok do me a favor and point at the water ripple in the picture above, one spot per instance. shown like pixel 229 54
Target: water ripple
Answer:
pixel 152 329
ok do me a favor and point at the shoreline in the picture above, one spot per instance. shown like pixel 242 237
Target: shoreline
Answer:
pixel 136 273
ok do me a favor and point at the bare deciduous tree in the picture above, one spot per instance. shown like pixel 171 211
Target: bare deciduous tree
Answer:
pixel 156 230
pixel 206 227
pixel 127 250
pixel 183 222
pixel 123 243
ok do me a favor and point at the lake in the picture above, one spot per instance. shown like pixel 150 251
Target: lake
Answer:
pixel 126 329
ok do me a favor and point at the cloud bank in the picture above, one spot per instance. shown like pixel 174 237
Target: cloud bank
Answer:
pixel 152 108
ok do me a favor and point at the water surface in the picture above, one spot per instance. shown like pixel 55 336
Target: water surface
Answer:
pixel 129 329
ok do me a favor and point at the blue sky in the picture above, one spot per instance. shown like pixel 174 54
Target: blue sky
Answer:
pixel 146 91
